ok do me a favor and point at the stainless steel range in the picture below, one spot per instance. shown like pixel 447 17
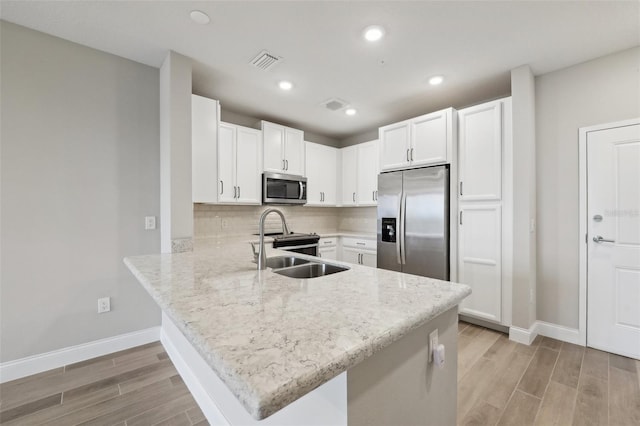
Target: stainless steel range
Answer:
pixel 298 243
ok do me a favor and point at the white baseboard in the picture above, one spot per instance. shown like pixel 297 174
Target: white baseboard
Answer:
pixel 554 331
pixel 19 368
pixel 559 332
pixel 522 335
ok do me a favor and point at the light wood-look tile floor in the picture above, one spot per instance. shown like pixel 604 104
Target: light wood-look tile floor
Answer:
pixel 138 386
pixel 499 383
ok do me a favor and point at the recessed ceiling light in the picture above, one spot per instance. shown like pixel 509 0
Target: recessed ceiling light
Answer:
pixel 350 111
pixel 435 80
pixel 373 33
pixel 285 85
pixel 199 17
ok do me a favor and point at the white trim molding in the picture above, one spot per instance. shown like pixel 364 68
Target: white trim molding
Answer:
pixel 583 220
pixel 523 335
pixel 24 367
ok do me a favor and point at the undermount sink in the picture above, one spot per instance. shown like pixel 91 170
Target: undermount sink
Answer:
pixel 311 270
pixel 284 262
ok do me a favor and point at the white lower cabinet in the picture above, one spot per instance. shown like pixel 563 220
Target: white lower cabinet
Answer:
pixel 360 251
pixel 328 248
pixel 480 259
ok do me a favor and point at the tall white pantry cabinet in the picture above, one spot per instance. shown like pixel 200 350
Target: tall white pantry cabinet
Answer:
pixel 485 209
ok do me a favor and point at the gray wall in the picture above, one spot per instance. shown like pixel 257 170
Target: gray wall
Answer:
pixel 79 171
pixel 603 90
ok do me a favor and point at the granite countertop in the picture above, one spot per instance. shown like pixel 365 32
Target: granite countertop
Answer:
pixel 272 339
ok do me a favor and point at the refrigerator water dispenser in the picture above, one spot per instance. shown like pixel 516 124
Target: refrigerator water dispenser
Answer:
pixel 389 229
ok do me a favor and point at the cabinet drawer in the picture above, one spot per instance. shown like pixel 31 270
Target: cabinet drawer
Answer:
pixel 327 242
pixel 359 243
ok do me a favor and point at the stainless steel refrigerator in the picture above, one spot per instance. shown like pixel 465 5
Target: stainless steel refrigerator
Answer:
pixel 413 221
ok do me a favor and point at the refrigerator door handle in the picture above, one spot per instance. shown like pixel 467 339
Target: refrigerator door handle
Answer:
pixel 399 235
pixel 403 252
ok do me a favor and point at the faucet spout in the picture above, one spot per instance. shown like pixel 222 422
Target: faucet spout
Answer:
pixel 262 255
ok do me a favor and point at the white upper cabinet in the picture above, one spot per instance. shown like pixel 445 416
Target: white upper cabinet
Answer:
pixel 360 174
pixel 322 167
pixel 367 193
pixel 395 145
pixel 239 165
pixel 283 149
pixel 205 115
pixel 421 141
pixel 349 175
pixel 480 152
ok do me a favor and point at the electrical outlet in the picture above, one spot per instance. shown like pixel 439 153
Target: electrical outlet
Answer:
pixel 433 343
pixel 149 222
pixel 224 223
pixel 104 305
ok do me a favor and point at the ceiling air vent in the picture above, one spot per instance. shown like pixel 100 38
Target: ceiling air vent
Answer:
pixel 265 60
pixel 334 104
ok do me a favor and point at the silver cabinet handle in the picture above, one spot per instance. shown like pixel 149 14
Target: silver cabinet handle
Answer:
pixel 354 197
pixel 408 155
pixel 283 165
pixel 373 195
pixel 221 187
pixel 286 162
pixel 238 192
pixel 460 188
pixel 411 154
pixel 235 192
pixel 599 239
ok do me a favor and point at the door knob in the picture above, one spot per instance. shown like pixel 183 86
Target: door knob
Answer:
pixel 599 239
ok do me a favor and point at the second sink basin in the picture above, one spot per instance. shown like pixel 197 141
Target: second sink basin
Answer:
pixel 284 262
pixel 311 270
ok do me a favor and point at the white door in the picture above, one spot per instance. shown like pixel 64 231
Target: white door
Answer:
pixel 480 152
pixel 226 163
pixel 367 174
pixel 349 175
pixel 394 146
pixel 429 139
pixel 294 151
pixel 248 166
pixel 480 259
pixel 613 250
pixel 273 147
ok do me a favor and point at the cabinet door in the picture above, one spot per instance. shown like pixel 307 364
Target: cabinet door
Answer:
pixel 273 147
pixel 394 146
pixel 226 163
pixel 294 151
pixel 248 165
pixel 367 174
pixel 329 172
pixel 204 135
pixel 479 259
pixel 313 160
pixel 351 255
pixel 369 259
pixel 349 175
pixel 480 152
pixel 330 253
pixel 429 138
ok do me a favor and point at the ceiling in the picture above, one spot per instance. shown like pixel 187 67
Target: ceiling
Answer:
pixel 473 44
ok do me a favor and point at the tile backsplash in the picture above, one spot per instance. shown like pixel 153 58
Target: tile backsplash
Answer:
pixel 222 220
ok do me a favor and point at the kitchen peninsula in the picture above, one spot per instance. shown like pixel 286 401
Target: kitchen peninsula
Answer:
pixel 347 348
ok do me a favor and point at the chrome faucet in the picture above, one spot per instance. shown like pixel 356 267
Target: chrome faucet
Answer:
pixel 261 255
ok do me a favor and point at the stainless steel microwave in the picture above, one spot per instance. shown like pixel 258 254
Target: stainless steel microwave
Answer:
pixel 280 188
